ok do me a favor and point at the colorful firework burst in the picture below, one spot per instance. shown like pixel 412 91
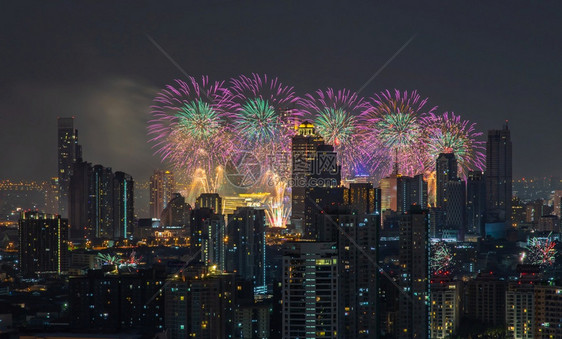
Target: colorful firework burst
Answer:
pixel 540 251
pixel 336 119
pixel 263 114
pixel 189 125
pixel 278 206
pixel 447 133
pixel 396 122
pixel 441 260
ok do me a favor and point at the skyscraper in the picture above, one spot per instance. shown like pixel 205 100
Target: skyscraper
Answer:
pixel 123 205
pixel 79 197
pixel 304 147
pixel 43 243
pixel 162 185
pixel 101 203
pixel 413 321
pixel 68 152
pixel 411 191
pixel 446 170
pixel 356 236
pixel 207 235
pixel 177 213
pixel 363 198
pixel 498 176
pixel 455 207
pixel 310 290
pixel 475 202
pixel 245 246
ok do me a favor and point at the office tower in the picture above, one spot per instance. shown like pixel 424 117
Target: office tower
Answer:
pixel 548 307
pixel 362 198
pixel 310 295
pixel 68 152
pixel 485 295
pixel 177 212
pixel 43 243
pixel 413 320
pixel 498 176
pixel 210 200
pixel 455 207
pixel 123 206
pixel 111 302
pixel 475 202
pixel 79 197
pixel 410 192
pixel 101 203
pixel 356 236
pixel 446 170
pixel 520 310
pixel 162 185
pixel 245 246
pixel 324 191
pixel 444 307
pixel 303 150
pixel 207 236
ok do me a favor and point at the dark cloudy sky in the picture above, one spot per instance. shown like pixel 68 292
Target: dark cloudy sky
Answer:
pixel 92 60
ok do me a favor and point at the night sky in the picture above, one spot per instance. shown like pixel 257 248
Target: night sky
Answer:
pixel 92 60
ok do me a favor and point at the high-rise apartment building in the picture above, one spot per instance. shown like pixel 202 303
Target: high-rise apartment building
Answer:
pixel 123 206
pixel 43 243
pixel 68 152
pixel 210 200
pixel 498 176
pixel 445 307
pixel 246 247
pixel 310 290
pixel 162 186
pixel 413 321
pixel 207 235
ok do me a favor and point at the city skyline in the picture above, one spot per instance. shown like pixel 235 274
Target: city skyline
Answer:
pixel 488 78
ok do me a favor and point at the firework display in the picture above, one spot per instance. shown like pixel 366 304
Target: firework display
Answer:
pixel 441 260
pixel 189 126
pixel 447 133
pixel 539 251
pixel 336 117
pixel 395 120
pixel 199 126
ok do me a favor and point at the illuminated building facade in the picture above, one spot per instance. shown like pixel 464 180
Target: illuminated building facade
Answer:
pixel 444 307
pixel 520 310
pixel 177 212
pixel 210 200
pixel 162 185
pixel 207 235
pixel 43 243
pixel 310 290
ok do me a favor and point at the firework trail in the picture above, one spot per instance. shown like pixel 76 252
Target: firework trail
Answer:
pixel 447 133
pixel 336 118
pixel 396 122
